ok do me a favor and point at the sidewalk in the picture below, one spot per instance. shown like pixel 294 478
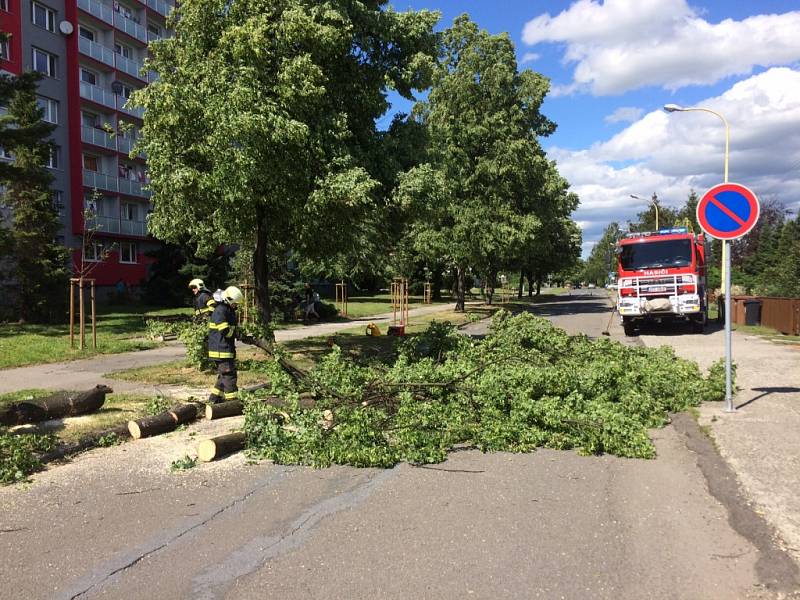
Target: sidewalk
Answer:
pixel 761 440
pixel 84 374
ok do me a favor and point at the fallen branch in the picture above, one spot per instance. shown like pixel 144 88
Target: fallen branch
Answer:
pixel 236 407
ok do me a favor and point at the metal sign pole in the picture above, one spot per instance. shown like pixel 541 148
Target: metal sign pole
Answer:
pixel 728 309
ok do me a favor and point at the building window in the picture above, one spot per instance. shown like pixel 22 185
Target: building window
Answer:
pixel 88 76
pixel 43 17
pixel 4 5
pixel 88 119
pixel 86 33
pixel 90 163
pixel 126 91
pixel 44 62
pixel 5 49
pixel 127 252
pixel 54 161
pixel 122 50
pixel 154 30
pixel 93 252
pixel 49 109
pixel 58 202
pixel 129 211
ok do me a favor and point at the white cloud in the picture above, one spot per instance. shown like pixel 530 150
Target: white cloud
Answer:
pixel 670 154
pixel 621 45
pixel 529 57
pixel 625 114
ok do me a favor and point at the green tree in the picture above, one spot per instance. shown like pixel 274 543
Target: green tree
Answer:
pixel 602 259
pixel 476 197
pixel 782 276
pixel 38 264
pixel 261 128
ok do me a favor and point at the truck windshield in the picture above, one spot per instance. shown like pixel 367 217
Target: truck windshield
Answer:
pixel 655 255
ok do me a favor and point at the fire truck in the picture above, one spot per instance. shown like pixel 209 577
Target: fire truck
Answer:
pixel 661 277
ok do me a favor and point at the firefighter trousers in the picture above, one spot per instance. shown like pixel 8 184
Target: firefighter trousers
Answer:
pixel 226 388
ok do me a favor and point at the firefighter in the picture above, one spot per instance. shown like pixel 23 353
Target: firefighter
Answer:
pixel 222 345
pixel 203 299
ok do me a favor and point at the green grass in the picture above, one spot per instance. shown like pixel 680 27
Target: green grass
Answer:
pixel 119 329
pixel 359 307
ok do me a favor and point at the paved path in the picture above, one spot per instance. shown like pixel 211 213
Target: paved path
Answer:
pixel 83 374
pixel 114 523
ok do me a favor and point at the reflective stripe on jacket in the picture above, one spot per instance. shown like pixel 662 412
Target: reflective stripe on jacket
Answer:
pixel 221 330
pixel 204 303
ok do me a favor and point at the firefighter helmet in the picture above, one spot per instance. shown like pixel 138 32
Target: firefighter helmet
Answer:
pixel 232 295
pixel 197 283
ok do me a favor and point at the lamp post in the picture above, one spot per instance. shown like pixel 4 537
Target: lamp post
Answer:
pixel 653 200
pixel 726 257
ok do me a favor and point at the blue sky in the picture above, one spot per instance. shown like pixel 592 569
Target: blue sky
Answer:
pixel 614 63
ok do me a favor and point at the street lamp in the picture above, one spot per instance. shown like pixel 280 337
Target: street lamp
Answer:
pixel 726 258
pixel 653 200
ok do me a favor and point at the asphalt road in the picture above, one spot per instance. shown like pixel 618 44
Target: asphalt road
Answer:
pixel 115 524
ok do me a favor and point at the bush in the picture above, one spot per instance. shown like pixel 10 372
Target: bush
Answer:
pixel 19 454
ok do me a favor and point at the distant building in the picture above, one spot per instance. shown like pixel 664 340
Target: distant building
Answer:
pixel 91 53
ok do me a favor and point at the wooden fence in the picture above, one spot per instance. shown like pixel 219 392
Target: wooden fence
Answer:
pixel 782 314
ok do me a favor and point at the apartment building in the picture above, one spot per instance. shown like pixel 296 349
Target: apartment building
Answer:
pixel 90 53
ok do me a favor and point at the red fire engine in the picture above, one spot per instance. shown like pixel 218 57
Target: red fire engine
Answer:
pixel 661 276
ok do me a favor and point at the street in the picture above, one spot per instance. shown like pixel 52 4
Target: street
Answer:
pixel 114 523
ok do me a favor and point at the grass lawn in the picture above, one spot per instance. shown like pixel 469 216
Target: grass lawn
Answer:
pixel 119 329
pixel 359 307
pixel 117 410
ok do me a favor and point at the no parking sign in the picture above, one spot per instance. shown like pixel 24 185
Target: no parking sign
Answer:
pixel 728 211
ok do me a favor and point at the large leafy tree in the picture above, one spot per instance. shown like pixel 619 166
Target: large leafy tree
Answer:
pixel 37 263
pixel 261 129
pixel 602 259
pixel 476 196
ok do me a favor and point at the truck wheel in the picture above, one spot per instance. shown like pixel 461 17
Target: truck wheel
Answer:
pixel 629 327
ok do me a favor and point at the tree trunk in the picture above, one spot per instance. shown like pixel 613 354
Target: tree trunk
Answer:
pixel 529 275
pixel 459 289
pixel 521 284
pixel 219 446
pixel 261 268
pixel 55 406
pixel 236 407
pixel 538 284
pixel 491 278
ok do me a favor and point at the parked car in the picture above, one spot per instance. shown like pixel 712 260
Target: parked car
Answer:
pixel 591 286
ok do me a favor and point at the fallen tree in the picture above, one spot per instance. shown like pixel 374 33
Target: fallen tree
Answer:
pixel 55 406
pixel 526 385
pixel 219 446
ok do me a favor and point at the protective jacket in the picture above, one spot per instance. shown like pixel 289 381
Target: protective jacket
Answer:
pixel 203 303
pixel 221 329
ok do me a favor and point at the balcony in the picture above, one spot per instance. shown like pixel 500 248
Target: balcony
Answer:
pixel 152 76
pixel 132 188
pixel 101 181
pixel 98 137
pixel 121 105
pixel 130 27
pixel 137 228
pixel 96 51
pixel 98 95
pixel 160 6
pixel 98 9
pixel 131 67
pixel 114 225
pixel 125 145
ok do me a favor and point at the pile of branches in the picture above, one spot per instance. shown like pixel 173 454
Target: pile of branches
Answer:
pixel 526 385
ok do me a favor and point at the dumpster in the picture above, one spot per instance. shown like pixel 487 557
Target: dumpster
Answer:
pixel 752 312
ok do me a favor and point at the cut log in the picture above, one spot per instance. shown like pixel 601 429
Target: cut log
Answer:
pixel 162 423
pixel 233 408
pixel 213 448
pixel 55 406
pixel 224 409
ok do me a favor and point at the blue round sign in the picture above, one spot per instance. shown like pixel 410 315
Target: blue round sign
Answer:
pixel 727 211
